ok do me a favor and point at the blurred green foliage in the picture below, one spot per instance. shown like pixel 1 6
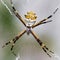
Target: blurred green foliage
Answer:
pixel 7 26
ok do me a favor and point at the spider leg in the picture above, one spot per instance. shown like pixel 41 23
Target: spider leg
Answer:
pixel 44 20
pixel 13 41
pixel 16 13
pixel 17 37
pixel 46 50
pixel 6 44
pixel 49 50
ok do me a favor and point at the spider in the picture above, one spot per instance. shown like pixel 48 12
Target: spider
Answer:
pixel 31 19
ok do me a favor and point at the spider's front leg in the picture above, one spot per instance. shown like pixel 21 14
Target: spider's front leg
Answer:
pixel 13 41
pixel 16 13
pixel 45 20
pixel 46 50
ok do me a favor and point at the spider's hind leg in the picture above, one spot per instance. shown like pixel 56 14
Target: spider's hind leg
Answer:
pixel 45 49
pixel 6 44
pixel 46 52
pixel 13 41
pixel 48 49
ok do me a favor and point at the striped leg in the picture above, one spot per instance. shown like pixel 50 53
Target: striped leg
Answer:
pixel 13 41
pixel 45 20
pixel 17 14
pixel 46 50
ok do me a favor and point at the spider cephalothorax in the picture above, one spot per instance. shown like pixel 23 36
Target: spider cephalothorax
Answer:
pixel 31 16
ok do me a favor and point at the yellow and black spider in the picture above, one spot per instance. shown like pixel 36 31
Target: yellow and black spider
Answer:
pixel 31 17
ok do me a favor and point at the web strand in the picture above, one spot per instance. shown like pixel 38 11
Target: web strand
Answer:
pixel 6 7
